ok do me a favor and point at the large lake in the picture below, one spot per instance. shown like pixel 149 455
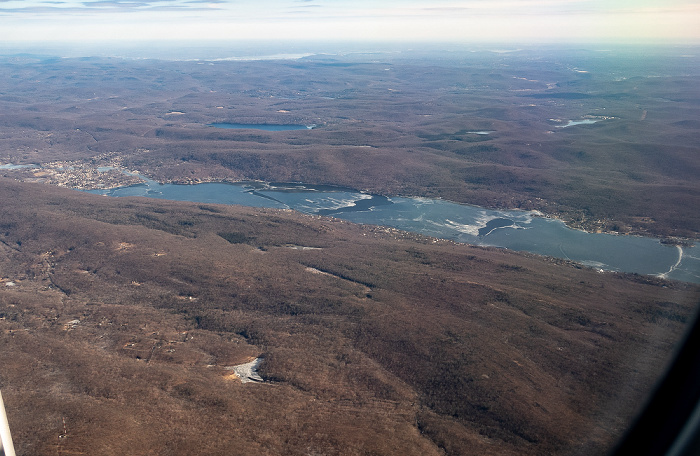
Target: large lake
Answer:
pixel 516 230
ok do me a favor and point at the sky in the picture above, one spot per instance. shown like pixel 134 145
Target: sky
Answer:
pixel 517 21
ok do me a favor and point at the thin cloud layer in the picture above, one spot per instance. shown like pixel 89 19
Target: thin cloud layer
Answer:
pixel 466 20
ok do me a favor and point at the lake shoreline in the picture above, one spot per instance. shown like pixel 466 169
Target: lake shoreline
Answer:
pixel 25 173
pixel 554 215
pixel 516 229
pixel 562 216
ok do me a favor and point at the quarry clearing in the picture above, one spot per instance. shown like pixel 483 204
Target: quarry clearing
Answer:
pixel 247 372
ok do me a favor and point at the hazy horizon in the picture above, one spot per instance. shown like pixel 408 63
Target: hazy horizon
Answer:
pixel 473 21
pixel 241 50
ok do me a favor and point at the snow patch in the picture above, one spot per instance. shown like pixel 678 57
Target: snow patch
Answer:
pixel 247 372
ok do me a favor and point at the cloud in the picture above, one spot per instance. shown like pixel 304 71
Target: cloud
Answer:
pixel 346 19
pixel 107 8
pixel 514 7
pixel 115 4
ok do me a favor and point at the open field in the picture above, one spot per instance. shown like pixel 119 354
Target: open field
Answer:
pixel 373 341
pixel 398 124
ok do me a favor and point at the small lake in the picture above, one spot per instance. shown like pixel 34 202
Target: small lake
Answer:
pixel 266 127
pixel 516 230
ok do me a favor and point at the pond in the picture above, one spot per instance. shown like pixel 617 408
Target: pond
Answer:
pixel 266 127
pixel 571 123
pixel 11 166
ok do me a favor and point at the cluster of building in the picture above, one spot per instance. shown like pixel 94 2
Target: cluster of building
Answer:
pixel 75 174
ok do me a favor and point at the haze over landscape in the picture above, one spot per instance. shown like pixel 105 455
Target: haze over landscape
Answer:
pixel 387 227
pixel 503 21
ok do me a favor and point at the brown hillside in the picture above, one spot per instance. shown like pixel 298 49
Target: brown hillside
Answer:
pixel 119 316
